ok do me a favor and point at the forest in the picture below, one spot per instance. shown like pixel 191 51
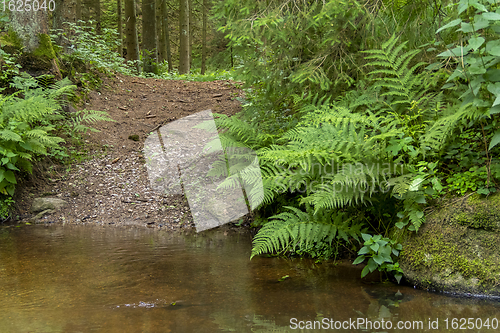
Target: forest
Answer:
pixel 364 114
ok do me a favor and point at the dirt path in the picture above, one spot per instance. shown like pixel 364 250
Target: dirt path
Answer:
pixel 111 185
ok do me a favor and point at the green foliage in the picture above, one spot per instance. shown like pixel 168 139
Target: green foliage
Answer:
pixel 380 252
pixel 193 76
pixel 79 121
pixel 25 127
pixel 28 119
pixel 8 67
pixel 96 51
pixel 299 231
pixel 5 207
pixel 476 57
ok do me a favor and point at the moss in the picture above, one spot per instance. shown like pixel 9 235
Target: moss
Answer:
pixel 11 42
pixel 44 48
pixel 457 250
pixel 42 58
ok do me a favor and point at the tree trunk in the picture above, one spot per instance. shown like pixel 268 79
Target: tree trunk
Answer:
pixel 64 12
pixel 204 38
pixel 78 11
pixel 131 39
pixel 149 53
pixel 85 10
pixel 191 31
pixel 159 32
pixel 32 27
pixel 119 25
pixel 166 36
pixel 184 55
pixel 97 9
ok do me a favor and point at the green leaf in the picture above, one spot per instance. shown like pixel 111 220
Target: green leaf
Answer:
pixel 401 225
pixel 455 52
pixel 358 260
pixel 365 271
pixel 462 6
pixel 398 277
pixel 492 75
pixel 476 42
pixel 10 190
pixel 372 265
pixel 26 145
pixel 2 173
pixel 364 250
pixel 493 47
pixel 366 237
pixel 477 5
pixel 495 140
pixel 11 167
pixel 466 27
pixel 375 247
pixel 420 199
pixel 10 177
pixel 449 25
pixel 495 109
pixel 480 23
pixel 379 259
pixel 494 88
pixel 491 16
pixel 477 69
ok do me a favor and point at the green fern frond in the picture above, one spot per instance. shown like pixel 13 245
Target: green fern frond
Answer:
pixel 298 230
pixel 8 135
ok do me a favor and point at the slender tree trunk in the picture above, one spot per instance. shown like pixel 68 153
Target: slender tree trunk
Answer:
pixel 149 53
pixel 119 25
pixel 97 9
pixel 131 39
pixel 85 10
pixel 78 10
pixel 191 30
pixel 33 29
pixel 166 37
pixel 184 55
pixel 204 38
pixel 160 42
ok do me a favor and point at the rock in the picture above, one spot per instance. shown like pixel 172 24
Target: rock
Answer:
pixel 456 250
pixel 134 137
pixel 41 204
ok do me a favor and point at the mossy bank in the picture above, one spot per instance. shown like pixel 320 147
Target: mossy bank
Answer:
pixel 457 250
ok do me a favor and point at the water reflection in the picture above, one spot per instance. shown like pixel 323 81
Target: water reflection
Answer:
pixel 79 279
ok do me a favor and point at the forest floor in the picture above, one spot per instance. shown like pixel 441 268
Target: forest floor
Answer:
pixel 109 184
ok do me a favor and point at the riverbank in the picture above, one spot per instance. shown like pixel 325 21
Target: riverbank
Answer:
pixel 109 184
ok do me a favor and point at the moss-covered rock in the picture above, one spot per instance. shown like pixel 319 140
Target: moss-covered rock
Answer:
pixel 457 250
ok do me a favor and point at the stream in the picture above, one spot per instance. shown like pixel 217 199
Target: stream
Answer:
pixel 67 278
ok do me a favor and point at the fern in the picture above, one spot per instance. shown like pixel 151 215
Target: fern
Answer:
pixel 400 84
pixel 80 120
pixel 298 231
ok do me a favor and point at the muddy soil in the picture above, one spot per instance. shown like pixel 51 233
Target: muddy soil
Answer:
pixel 110 185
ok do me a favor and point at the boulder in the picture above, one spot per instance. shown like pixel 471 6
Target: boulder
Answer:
pixel 457 249
pixel 42 204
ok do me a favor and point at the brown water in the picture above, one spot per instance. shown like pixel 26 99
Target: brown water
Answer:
pixel 80 279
